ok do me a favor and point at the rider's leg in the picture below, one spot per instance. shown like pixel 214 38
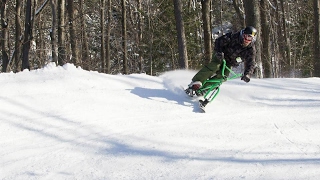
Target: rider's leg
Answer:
pixel 207 71
pixel 218 76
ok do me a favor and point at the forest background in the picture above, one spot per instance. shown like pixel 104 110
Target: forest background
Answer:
pixel 153 36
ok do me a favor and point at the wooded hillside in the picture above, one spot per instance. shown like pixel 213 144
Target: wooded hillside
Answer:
pixel 153 36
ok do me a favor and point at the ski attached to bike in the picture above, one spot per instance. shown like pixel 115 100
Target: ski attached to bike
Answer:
pixel 211 87
pixel 208 95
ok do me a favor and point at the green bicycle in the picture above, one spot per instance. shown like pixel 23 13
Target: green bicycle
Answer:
pixel 210 91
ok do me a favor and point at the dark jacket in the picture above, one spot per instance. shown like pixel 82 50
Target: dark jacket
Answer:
pixel 231 45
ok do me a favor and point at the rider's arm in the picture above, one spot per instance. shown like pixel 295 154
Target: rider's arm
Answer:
pixel 249 63
pixel 221 42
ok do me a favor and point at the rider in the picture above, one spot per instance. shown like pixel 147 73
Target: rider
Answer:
pixel 234 48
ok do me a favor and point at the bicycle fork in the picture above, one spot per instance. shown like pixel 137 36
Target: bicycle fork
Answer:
pixel 210 95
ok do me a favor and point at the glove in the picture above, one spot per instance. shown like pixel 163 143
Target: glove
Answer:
pixel 245 78
pixel 220 55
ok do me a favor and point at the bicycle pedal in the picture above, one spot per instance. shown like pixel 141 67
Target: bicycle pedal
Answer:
pixel 189 92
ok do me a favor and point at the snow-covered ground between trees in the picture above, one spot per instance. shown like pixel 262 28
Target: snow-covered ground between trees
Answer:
pixel 68 123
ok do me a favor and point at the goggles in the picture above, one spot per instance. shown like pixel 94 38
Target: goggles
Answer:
pixel 247 37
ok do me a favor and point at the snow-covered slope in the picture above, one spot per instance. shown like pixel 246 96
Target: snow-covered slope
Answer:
pixel 67 123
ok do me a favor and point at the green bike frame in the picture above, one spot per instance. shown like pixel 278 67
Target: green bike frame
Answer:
pixel 214 89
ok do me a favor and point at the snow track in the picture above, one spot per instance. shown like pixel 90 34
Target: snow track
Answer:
pixel 67 123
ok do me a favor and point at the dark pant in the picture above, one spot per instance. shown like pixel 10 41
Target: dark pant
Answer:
pixel 214 69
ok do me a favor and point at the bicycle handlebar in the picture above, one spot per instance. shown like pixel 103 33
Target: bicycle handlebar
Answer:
pixel 224 66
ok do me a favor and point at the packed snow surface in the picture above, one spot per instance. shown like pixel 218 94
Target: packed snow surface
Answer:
pixel 68 123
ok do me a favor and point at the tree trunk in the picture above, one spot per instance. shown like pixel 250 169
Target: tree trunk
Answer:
pixel 236 6
pixel 265 37
pixel 73 38
pixel 253 19
pixel 287 58
pixel 102 20
pixel 61 33
pixel 124 38
pixel 182 45
pixel 206 30
pixel 4 35
pixel 17 36
pixel 27 37
pixel 278 42
pixel 139 38
pixel 316 69
pixel 53 31
pixel 108 60
pixel 84 40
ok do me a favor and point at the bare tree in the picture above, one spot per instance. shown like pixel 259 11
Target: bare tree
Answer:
pixel 53 31
pixel 108 52
pixel 183 55
pixel 236 6
pixel 278 41
pixel 84 38
pixel 206 30
pixel 17 35
pixel 73 38
pixel 139 36
pixel 124 38
pixel 265 38
pixel 4 35
pixel 142 33
pixel 287 46
pixel 61 33
pixel 27 36
pixel 252 13
pixel 316 5
pixel 102 27
pixel 136 46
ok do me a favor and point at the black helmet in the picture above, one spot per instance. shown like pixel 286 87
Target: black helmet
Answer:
pixel 249 30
